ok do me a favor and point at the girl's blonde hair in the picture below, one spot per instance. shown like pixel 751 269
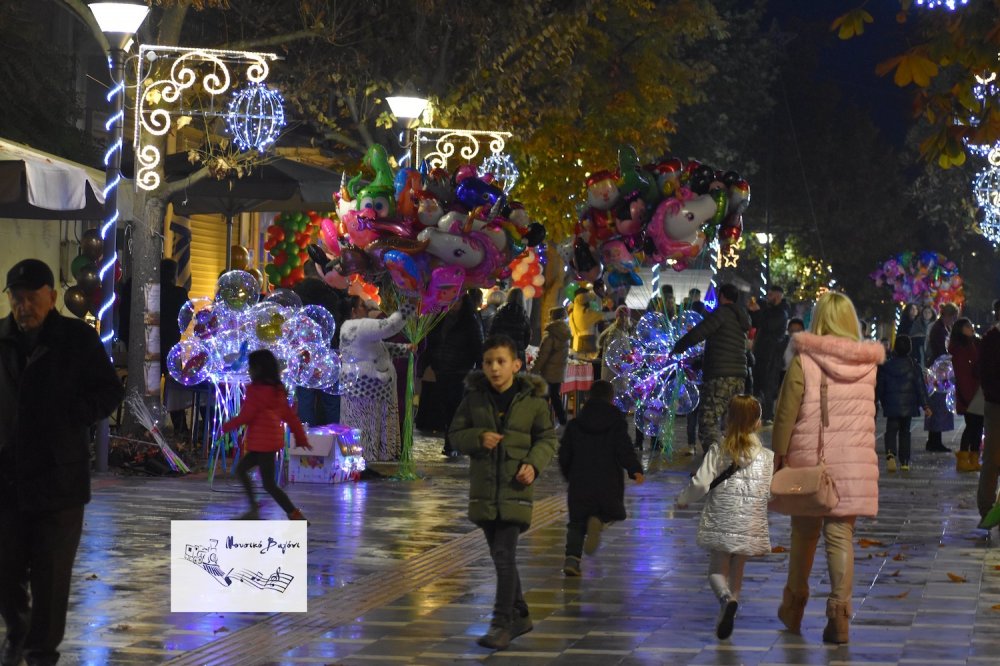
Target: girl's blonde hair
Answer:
pixel 742 422
pixel 834 314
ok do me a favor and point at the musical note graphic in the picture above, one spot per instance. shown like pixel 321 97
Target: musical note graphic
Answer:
pixel 277 581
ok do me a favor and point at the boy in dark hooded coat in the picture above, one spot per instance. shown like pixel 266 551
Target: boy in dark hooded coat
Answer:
pixel 594 450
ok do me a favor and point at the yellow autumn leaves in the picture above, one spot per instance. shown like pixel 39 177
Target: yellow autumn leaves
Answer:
pixel 852 23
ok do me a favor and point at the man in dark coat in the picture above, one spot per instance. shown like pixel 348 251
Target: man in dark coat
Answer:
pixel 315 406
pixel 592 454
pixel 724 364
pixel 55 382
pixel 770 320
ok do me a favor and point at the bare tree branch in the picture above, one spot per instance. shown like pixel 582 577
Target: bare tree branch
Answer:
pixel 275 40
pixel 169 189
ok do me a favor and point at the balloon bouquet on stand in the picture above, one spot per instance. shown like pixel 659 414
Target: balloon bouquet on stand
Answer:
pixel 924 278
pixel 668 212
pixel 424 237
pixel 222 332
pixel 657 385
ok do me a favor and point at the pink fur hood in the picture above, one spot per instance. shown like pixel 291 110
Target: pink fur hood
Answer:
pixel 844 359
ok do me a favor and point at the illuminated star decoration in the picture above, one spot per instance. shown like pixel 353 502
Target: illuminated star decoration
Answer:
pixel 730 259
pixel 951 5
pixel 502 167
pixel 656 384
pixel 256 116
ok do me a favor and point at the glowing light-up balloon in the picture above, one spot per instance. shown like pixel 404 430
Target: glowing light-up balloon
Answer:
pixel 189 362
pixel 285 298
pixel 238 290
pixel 187 312
pixel 323 318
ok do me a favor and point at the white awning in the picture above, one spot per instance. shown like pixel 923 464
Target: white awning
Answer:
pixel 37 185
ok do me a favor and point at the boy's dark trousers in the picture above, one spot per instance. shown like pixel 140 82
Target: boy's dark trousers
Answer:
pixel 265 461
pixel 502 539
pixel 898 427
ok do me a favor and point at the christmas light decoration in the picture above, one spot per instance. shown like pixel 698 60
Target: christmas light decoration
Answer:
pixel 256 116
pixel 501 166
pixel 164 74
pixel 448 142
pixel 950 5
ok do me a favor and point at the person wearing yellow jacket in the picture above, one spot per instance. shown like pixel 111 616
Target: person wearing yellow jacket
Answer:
pixel 583 323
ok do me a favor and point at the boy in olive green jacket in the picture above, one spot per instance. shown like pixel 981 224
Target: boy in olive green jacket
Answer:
pixel 504 425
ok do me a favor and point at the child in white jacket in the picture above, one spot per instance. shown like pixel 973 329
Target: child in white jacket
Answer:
pixel 736 476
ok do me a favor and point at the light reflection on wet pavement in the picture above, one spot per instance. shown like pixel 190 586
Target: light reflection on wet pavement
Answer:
pixel 395 578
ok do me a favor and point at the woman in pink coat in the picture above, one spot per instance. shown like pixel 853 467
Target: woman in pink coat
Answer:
pixel 833 371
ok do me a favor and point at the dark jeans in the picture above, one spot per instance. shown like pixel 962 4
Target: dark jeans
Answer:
pixel 555 398
pixel 265 461
pixel 898 428
pixel 37 554
pixel 575 534
pixel 450 391
pixel 692 428
pixel 972 436
pixel 502 539
pixel 317 407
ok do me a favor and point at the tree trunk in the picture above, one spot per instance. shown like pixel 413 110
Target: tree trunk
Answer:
pixel 146 253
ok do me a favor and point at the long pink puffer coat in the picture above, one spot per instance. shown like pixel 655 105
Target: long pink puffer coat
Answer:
pixel 849 439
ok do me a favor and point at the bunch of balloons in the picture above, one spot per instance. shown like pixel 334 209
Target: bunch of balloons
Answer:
pixel 288 240
pixel 220 333
pixel 431 232
pixel 925 278
pixel 527 273
pixel 85 295
pixel 940 378
pixel 649 379
pixel 667 211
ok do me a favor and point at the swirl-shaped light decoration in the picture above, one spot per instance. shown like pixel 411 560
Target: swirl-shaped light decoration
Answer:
pixel 256 116
pixel 161 92
pixel 109 226
pixel 448 142
pixel 652 381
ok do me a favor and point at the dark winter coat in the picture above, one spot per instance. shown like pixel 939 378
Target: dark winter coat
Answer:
pixel 511 320
pixel 989 365
pixel 528 437
pixel 592 454
pixel 553 353
pixel 900 388
pixel 724 332
pixel 771 322
pixel 47 407
pixel 456 344
pixel 965 361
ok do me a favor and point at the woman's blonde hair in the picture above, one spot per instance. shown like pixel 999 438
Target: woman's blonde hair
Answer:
pixel 834 314
pixel 742 422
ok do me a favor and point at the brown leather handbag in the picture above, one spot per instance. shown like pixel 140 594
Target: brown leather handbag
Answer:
pixel 806 491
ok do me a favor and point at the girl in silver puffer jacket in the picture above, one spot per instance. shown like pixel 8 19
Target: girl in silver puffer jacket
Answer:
pixel 736 476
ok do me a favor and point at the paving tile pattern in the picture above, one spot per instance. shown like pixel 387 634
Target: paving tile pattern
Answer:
pixel 399 576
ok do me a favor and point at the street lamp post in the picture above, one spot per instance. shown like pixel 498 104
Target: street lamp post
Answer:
pixel 407 108
pixel 119 22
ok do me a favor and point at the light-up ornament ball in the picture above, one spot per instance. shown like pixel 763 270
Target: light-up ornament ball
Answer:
pixel 256 116
pixel 188 362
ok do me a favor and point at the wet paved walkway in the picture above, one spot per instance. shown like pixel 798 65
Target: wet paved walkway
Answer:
pixel 398 576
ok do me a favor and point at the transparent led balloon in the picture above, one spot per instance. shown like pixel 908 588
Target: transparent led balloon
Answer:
pixel 323 318
pixel 267 319
pixel 651 416
pixel 285 298
pixel 186 315
pixel 230 352
pixel 940 378
pixel 654 331
pixel 189 362
pixel 299 329
pixel 238 290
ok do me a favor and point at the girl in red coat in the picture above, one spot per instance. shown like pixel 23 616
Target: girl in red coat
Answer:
pixel 264 409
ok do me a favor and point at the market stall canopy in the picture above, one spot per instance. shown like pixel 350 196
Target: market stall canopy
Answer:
pixel 39 186
pixel 280 184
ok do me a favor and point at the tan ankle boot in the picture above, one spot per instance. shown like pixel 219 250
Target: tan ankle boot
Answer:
pixel 838 621
pixel 964 461
pixel 974 461
pixel 791 610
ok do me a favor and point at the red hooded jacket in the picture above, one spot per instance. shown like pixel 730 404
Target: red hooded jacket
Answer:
pixel 264 409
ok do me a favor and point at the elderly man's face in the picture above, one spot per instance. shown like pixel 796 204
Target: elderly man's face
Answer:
pixel 31 306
